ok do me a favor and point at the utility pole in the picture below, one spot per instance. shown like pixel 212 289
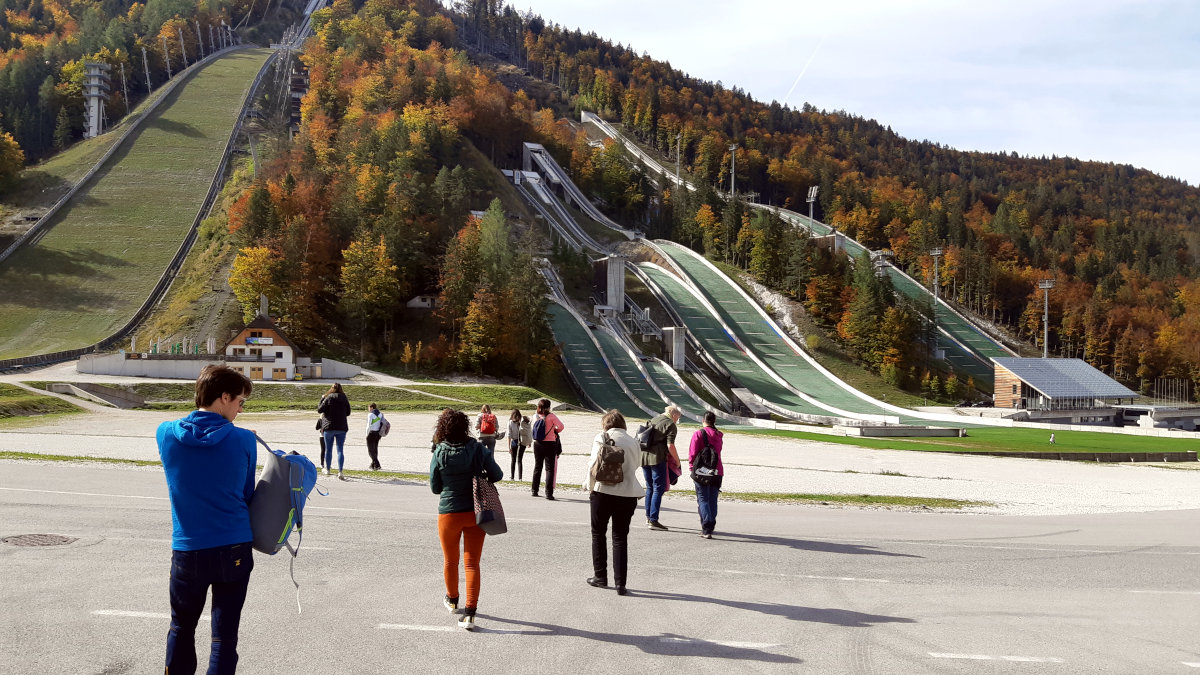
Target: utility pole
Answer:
pixel 733 171
pixel 1046 285
pixel 182 49
pixel 166 57
pixel 146 65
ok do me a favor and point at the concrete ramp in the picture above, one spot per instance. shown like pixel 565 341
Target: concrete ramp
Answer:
pixel 98 393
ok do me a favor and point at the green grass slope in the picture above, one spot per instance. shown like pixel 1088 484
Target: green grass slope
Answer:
pixel 109 246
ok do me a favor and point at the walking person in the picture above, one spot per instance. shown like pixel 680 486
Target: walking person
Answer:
pixel 547 448
pixel 209 465
pixel 457 458
pixel 488 427
pixel 335 406
pixel 516 443
pixel 708 484
pixel 655 459
pixel 615 501
pixel 374 425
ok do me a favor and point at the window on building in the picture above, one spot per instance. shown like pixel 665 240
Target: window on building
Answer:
pixel 256 333
pixel 279 355
pixel 237 351
pixel 1014 389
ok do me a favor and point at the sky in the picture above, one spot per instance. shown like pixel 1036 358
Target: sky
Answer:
pixel 1106 80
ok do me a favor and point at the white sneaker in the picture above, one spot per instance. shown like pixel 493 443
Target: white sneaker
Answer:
pixel 467 621
pixel 340 476
pixel 326 469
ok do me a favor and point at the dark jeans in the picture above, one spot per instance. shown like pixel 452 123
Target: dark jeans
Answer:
pixel 706 503
pixel 373 449
pixel 517 452
pixel 227 570
pixel 545 453
pixel 620 510
pixel 656 486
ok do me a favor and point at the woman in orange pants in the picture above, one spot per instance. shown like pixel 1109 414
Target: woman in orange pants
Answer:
pixel 456 459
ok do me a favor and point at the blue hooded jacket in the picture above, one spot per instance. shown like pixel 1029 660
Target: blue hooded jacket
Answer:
pixel 210 467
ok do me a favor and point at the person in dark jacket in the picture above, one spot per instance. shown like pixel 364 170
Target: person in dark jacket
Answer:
pixel 706 495
pixel 209 465
pixel 336 408
pixel 655 459
pixel 456 460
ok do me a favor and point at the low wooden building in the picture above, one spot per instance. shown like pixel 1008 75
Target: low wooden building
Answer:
pixel 1055 384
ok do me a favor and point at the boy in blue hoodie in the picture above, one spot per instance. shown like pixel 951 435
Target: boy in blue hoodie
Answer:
pixel 210 478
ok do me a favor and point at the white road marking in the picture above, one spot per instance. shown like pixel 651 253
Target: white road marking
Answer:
pixel 989 657
pixel 771 574
pixel 1169 592
pixel 80 494
pixel 1191 664
pixel 405 626
pixel 722 643
pixel 138 615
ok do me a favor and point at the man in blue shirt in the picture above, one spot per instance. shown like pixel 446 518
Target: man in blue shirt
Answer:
pixel 210 467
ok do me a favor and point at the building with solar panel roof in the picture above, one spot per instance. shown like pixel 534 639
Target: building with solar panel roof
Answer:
pixel 1066 389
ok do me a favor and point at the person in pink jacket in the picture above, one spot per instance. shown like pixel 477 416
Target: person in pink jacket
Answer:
pixel 546 449
pixel 708 485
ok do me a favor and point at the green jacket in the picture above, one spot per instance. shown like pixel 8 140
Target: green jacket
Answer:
pixel 664 435
pixel 450 473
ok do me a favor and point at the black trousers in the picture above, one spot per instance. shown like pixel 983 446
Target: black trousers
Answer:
pixel 620 511
pixel 373 448
pixel 516 451
pixel 545 453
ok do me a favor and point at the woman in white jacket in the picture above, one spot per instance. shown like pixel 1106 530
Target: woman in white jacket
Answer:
pixel 612 500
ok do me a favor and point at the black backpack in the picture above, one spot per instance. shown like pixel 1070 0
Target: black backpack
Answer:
pixel 609 467
pixel 704 469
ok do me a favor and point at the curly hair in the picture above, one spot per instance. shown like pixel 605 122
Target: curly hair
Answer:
pixel 452 427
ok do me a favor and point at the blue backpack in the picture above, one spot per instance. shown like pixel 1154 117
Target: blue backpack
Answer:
pixel 277 505
pixel 539 429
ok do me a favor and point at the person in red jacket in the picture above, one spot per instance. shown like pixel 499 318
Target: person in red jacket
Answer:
pixel 706 495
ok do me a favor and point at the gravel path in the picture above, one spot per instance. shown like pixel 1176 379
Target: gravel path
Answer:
pixel 753 463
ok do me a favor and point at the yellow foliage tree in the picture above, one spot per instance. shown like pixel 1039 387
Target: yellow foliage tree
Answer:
pixel 254 272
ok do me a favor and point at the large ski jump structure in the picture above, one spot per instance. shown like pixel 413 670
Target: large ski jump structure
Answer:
pixel 726 328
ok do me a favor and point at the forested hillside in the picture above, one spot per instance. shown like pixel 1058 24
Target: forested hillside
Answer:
pixel 44 44
pixel 1121 242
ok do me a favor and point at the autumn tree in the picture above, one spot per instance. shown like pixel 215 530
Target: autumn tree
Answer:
pixel 369 286
pixel 253 274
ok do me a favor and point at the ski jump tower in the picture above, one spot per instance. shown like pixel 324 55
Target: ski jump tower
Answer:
pixel 95 90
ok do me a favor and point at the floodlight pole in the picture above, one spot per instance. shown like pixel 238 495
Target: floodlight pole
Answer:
pixel 678 153
pixel 146 65
pixel 733 171
pixel 182 51
pixel 166 56
pixel 936 253
pixel 1046 285
pixel 812 197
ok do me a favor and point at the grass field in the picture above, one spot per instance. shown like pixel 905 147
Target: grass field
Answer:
pixel 16 402
pixel 110 245
pixel 269 397
pixel 1010 440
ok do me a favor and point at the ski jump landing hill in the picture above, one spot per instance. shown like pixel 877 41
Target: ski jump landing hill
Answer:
pixel 726 328
pixel 968 348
